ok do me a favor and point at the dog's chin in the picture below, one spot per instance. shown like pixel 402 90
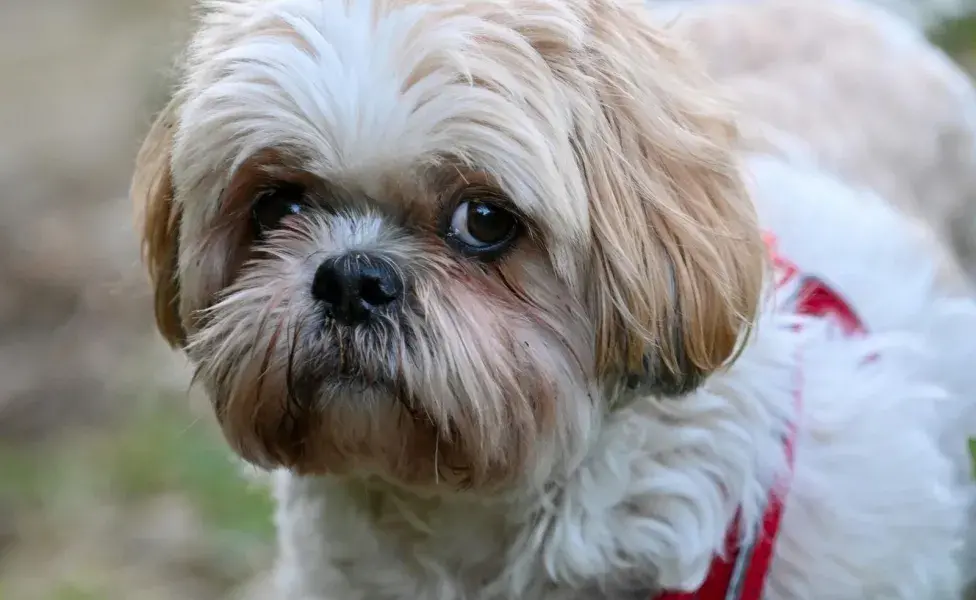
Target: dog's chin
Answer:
pixel 358 389
pixel 348 420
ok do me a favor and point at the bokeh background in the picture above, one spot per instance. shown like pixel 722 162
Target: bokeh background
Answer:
pixel 113 482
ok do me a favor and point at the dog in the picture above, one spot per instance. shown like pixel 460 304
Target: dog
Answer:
pixel 565 299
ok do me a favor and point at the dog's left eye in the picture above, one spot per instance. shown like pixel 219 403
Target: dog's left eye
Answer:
pixel 275 203
pixel 482 228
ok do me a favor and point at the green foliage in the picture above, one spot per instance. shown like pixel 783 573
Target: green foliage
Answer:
pixel 159 451
pixel 164 453
pixel 972 454
pixel 957 36
pixel 69 591
pixel 51 489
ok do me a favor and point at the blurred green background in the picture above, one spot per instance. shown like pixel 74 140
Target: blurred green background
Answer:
pixel 113 483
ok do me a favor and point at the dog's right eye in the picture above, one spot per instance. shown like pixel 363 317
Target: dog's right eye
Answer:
pixel 480 225
pixel 273 204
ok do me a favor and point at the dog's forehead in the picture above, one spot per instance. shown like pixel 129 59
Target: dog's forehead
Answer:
pixel 364 90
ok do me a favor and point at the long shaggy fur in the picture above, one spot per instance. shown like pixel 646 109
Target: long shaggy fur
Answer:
pixel 584 416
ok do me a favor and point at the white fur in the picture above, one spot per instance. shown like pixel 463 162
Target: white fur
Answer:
pixel 877 504
pixel 923 14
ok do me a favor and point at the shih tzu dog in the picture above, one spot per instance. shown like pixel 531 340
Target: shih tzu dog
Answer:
pixel 566 299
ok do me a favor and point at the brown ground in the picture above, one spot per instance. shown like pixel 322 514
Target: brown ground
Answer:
pixel 110 487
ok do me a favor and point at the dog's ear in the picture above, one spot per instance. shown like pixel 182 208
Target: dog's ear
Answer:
pixel 159 219
pixel 678 258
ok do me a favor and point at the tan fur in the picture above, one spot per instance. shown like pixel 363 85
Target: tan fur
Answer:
pixel 678 259
pixel 152 192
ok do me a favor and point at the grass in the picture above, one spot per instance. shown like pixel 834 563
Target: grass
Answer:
pixel 157 452
pixel 972 454
pixel 957 37
pixel 120 476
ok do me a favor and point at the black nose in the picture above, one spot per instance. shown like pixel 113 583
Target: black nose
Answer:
pixel 352 287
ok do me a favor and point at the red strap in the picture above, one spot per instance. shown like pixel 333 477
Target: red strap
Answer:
pixel 815 299
pixel 741 575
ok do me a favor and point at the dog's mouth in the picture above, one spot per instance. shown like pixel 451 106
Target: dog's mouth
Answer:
pixel 356 382
pixel 340 380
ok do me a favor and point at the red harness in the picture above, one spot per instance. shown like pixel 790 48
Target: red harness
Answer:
pixel 741 573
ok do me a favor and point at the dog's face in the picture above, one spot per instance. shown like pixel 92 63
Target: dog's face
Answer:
pixel 433 240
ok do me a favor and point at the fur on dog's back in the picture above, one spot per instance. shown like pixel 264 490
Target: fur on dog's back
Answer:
pixel 854 90
pixel 922 14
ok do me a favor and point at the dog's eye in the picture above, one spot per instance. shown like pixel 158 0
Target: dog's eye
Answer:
pixel 482 228
pixel 275 203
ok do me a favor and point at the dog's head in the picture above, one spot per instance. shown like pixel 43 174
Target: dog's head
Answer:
pixel 428 239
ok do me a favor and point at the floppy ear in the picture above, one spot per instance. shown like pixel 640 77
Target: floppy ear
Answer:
pixel 677 254
pixel 159 217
